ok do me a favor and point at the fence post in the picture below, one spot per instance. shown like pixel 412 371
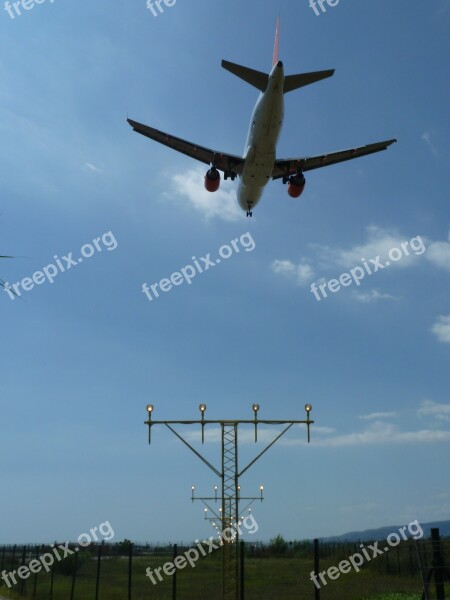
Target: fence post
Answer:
pixel 174 576
pixel 35 575
pixel 388 568
pixel 316 568
pixel 422 566
pixel 130 569
pixel 438 564
pixel 22 581
pixel 411 562
pixel 97 581
pixel 3 563
pixel 74 576
pixel 52 575
pixel 242 565
pixel 13 558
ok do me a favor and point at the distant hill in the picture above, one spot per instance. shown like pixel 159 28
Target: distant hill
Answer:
pixel 382 532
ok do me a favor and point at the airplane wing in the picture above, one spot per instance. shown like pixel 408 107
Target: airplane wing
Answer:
pixel 224 162
pixel 286 167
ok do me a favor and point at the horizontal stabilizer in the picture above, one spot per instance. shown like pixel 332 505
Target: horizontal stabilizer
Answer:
pixel 293 82
pixel 256 78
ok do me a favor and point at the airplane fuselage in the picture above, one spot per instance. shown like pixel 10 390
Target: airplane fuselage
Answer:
pixel 260 147
pixel 259 163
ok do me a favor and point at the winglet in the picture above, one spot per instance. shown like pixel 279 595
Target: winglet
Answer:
pixel 277 40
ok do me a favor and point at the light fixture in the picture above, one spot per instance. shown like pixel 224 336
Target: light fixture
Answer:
pixel 255 412
pixel 202 409
pixel 308 409
pixel 149 408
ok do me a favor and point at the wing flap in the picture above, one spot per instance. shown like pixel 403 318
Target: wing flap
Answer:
pixel 286 167
pixel 223 161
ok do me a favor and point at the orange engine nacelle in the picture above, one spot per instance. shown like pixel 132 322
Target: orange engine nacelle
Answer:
pixel 296 185
pixel 212 180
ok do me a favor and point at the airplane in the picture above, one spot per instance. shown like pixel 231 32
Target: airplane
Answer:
pixel 259 163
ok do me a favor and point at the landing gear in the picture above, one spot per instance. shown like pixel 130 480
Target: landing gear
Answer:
pixel 229 174
pixel 249 213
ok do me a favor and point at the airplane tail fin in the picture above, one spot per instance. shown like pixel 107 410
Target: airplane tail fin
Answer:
pixel 293 82
pixel 260 80
pixel 256 78
pixel 277 41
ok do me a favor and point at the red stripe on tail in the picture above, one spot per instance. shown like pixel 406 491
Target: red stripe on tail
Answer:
pixel 277 39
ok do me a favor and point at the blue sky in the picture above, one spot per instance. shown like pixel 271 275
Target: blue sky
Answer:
pixel 83 356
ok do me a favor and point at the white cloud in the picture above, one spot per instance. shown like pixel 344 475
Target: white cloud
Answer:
pixel 286 267
pixel 221 204
pixel 426 136
pixel 301 273
pixel 378 415
pixel 379 242
pixel 382 433
pixel 323 429
pixel 438 253
pixel 377 432
pixel 442 328
pixel 372 296
pixel 430 408
pixel 92 167
pixel 382 248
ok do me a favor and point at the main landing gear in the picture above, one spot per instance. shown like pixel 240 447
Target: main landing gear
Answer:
pixel 249 213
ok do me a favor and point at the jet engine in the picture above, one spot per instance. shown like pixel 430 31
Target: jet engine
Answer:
pixel 296 185
pixel 212 180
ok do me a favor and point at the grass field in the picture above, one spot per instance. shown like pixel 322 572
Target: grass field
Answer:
pixel 284 578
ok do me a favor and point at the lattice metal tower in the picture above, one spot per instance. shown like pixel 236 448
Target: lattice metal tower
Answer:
pixel 229 475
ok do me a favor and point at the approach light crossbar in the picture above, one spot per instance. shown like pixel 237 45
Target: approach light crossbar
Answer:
pixel 230 422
